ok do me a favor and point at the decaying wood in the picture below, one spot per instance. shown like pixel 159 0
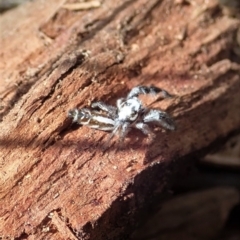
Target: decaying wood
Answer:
pixel 55 180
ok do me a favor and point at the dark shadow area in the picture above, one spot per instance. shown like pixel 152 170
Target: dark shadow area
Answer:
pixel 119 220
pixel 150 188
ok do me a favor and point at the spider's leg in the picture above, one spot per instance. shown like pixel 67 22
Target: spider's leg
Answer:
pixel 145 129
pixel 111 136
pixel 136 91
pixel 159 117
pixel 110 110
pixel 125 128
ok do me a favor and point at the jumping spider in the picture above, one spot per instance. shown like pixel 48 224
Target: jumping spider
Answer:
pixel 129 113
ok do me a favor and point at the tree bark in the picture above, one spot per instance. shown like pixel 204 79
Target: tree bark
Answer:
pixel 56 182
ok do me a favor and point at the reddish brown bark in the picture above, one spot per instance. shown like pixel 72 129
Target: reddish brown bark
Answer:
pixel 55 181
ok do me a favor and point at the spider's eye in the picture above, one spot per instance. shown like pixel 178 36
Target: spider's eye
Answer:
pixel 126 104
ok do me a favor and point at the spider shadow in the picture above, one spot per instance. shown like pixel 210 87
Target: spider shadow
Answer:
pixel 134 140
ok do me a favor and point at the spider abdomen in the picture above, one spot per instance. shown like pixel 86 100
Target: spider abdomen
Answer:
pixel 92 119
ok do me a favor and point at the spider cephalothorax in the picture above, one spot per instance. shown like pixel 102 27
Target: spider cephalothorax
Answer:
pixel 129 113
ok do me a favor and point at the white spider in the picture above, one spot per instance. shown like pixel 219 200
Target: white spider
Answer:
pixel 129 113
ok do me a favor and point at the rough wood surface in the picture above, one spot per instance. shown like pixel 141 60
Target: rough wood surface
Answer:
pixel 55 182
